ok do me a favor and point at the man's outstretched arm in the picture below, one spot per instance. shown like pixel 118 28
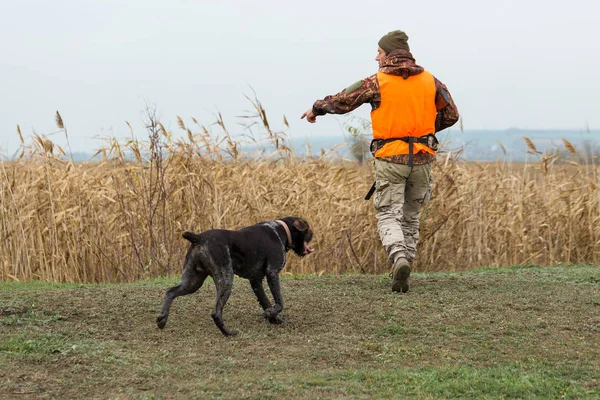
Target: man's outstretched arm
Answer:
pixel 349 99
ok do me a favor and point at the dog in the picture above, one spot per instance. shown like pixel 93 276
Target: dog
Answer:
pixel 252 253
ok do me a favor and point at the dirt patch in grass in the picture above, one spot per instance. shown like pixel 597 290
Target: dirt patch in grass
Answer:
pixel 518 332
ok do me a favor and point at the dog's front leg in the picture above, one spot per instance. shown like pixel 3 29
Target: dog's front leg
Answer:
pixel 273 280
pixel 257 287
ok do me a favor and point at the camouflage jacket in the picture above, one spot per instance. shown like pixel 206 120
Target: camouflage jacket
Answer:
pixel 401 63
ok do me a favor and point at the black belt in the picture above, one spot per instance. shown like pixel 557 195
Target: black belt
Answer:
pixel 428 140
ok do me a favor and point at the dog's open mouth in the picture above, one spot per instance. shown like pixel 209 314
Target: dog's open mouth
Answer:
pixel 307 249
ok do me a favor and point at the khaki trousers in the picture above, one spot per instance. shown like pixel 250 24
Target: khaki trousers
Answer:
pixel 400 191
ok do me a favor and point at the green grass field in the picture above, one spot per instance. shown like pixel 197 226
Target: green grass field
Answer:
pixel 522 332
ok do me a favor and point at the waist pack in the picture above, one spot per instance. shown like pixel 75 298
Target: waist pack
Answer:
pixel 428 140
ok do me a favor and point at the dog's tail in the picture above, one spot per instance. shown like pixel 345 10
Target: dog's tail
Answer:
pixel 192 237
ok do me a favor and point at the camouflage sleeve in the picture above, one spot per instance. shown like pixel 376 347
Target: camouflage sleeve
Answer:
pixel 447 113
pixel 361 92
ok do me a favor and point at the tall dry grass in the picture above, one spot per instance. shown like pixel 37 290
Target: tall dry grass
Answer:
pixel 121 218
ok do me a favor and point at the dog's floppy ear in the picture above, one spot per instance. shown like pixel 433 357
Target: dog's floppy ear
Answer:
pixel 300 225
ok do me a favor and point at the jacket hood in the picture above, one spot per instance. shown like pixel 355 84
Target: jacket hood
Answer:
pixel 400 63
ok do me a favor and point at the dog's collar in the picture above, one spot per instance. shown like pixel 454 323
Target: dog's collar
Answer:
pixel 287 232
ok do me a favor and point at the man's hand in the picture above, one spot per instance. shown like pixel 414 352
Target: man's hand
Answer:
pixel 310 116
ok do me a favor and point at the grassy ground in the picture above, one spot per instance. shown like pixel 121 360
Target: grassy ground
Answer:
pixel 524 332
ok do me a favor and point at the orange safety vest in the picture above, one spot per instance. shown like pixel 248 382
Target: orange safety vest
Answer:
pixel 407 109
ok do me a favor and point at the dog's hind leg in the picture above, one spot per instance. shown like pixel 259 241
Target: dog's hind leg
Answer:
pixel 223 284
pixel 259 291
pixel 191 281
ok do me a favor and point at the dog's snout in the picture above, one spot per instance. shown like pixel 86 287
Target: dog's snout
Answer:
pixel 307 249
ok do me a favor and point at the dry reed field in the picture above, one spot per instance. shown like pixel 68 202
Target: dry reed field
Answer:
pixel 121 218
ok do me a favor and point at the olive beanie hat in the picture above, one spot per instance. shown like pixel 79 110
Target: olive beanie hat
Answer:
pixel 394 40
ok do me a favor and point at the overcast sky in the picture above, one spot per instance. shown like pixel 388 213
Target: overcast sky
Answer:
pixel 526 64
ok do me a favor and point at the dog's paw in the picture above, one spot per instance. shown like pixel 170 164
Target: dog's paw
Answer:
pixel 270 313
pixel 161 321
pixel 276 320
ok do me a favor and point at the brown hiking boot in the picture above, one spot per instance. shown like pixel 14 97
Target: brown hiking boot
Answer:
pixel 400 276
